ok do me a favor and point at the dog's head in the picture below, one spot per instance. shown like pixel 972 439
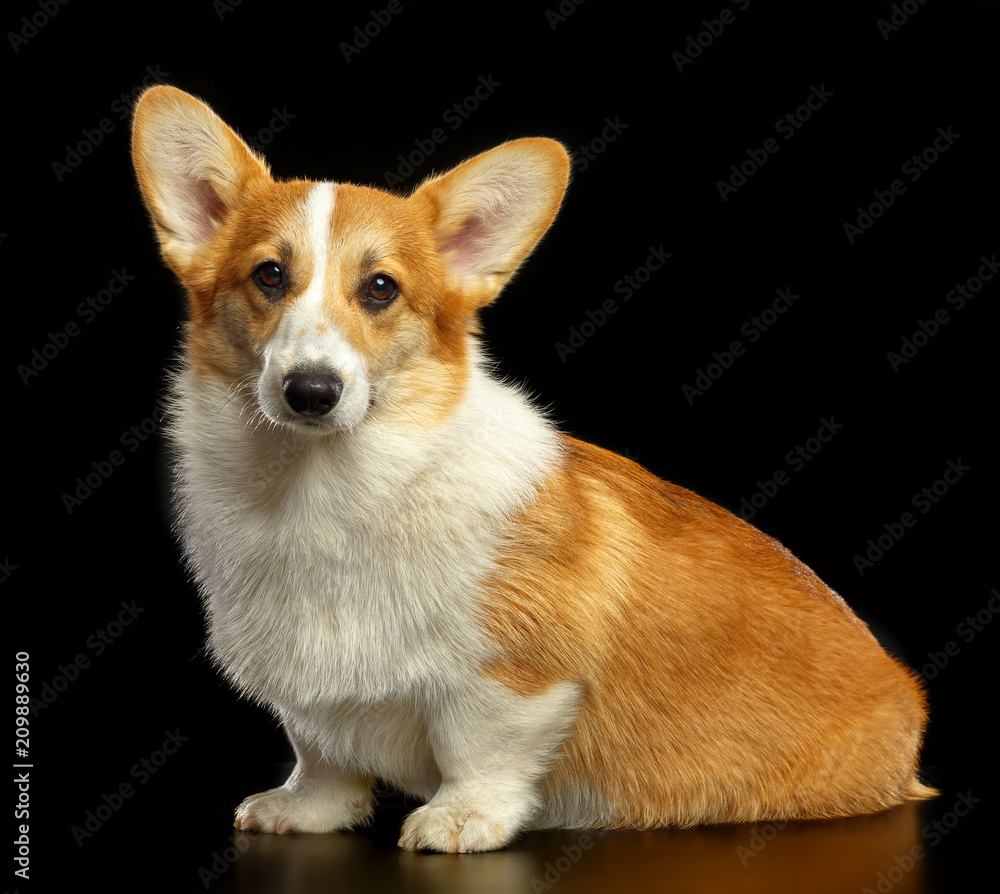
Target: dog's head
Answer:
pixel 323 300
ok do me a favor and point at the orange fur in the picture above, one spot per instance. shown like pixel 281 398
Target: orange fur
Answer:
pixel 424 341
pixel 724 681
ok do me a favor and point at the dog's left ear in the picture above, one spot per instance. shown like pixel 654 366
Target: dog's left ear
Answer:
pixel 489 212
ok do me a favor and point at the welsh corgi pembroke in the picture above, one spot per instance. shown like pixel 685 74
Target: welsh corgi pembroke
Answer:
pixel 430 586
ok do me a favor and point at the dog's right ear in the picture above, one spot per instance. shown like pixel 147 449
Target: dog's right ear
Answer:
pixel 192 169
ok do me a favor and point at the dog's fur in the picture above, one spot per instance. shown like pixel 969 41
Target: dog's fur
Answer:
pixel 429 584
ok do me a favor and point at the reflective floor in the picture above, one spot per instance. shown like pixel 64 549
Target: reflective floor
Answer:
pixel 942 845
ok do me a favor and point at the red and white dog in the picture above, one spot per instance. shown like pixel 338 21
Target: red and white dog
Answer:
pixel 433 587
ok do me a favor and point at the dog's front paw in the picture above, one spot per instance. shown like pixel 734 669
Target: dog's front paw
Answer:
pixel 301 809
pixel 454 829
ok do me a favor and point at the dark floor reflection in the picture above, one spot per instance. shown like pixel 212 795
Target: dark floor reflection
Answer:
pixel 880 853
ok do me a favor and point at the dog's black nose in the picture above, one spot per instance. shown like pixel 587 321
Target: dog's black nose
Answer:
pixel 312 394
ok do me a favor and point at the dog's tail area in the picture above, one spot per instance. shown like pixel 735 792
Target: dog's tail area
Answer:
pixel 920 792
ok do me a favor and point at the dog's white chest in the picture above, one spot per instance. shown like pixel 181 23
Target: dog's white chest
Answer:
pixel 344 569
pixel 308 603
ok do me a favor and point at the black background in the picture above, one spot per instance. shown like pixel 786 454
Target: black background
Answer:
pixel 69 223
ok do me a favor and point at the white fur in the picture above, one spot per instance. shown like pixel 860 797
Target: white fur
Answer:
pixel 323 346
pixel 341 574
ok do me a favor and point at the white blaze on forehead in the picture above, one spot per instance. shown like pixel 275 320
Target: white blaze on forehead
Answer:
pixel 319 213
pixel 306 337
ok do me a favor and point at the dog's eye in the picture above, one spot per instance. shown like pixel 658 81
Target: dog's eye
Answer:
pixel 381 289
pixel 270 278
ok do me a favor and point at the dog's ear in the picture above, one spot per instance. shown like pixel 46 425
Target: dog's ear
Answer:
pixel 192 169
pixel 488 213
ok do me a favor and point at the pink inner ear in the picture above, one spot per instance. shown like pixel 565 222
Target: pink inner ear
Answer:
pixel 211 202
pixel 205 210
pixel 469 245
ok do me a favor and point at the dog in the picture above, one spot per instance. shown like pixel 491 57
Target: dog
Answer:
pixel 430 585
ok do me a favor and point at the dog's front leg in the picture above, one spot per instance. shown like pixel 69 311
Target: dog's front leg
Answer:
pixel 316 797
pixel 491 748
